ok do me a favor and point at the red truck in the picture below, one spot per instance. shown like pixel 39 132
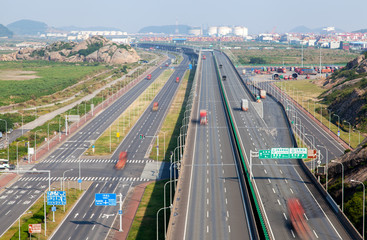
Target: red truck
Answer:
pixel 177 79
pixel 203 118
pixel 122 161
pixel 297 218
pixel 204 57
pixel 149 76
pixel 155 106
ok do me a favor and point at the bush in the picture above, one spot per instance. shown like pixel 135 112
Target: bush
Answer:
pixel 347 150
pixel 257 60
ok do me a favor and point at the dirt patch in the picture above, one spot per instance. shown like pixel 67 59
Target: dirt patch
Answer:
pixel 7 75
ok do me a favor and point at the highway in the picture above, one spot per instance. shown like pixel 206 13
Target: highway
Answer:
pixel 216 207
pixel 277 180
pixel 29 187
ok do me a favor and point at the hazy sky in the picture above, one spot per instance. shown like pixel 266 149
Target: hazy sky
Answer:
pixel 257 15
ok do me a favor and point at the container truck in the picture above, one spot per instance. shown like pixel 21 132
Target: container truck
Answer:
pixel 149 76
pixel 155 106
pixel 262 93
pixel 177 79
pixel 122 160
pixel 244 105
pixel 297 219
pixel 203 117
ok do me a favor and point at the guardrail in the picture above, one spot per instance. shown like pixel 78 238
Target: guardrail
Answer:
pixel 349 227
pixel 254 202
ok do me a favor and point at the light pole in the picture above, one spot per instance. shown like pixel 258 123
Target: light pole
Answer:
pixel 164 191
pixel 19 221
pixel 157 217
pixel 35 144
pixel 349 130
pixel 313 139
pixel 17 155
pixel 164 145
pixel 359 136
pixel 63 180
pixel 6 134
pixel 327 165
pixel 329 117
pixel 333 161
pixel 364 203
pixel 48 136
pixel 60 129
pixel 338 124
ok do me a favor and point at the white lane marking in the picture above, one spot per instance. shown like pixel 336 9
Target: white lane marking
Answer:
pixel 280 171
pixel 305 216
pixel 207 201
pixel 286 180
pixel 294 236
pixel 269 180
pixel 315 233
pixel 226 201
pixel 265 171
pixel 291 190
pixel 279 202
pixel 93 227
pixel 229 228
pixel 227 214
pixel 285 216
pixel 318 204
pixel 207 214
pixel 273 190
pixel 225 190
pixel 207 229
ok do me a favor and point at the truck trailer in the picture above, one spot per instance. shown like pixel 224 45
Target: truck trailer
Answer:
pixel 244 105
pixel 203 117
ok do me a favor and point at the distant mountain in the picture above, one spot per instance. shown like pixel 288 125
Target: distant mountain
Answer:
pixel 28 27
pixel 360 31
pixel 5 32
pixel 75 28
pixel 301 29
pixel 304 29
pixel 167 29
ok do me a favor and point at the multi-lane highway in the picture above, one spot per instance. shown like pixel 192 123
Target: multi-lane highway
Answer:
pixel 29 187
pixel 216 205
pixel 277 180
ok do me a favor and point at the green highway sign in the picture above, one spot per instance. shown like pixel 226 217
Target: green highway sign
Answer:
pixel 283 153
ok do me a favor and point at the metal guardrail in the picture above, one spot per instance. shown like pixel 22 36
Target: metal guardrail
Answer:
pixel 259 219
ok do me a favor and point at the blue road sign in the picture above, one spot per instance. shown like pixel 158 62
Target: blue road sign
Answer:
pixel 92 146
pixel 338 133
pixel 56 198
pixel 105 199
pixel 53 209
pixel 120 212
pixel 190 66
pixel 79 181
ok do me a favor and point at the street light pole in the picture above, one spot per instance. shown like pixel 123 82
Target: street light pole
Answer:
pixel 338 124
pixel 333 161
pixel 157 217
pixel 364 203
pixel 35 144
pixel 6 134
pixel 349 130
pixel 327 166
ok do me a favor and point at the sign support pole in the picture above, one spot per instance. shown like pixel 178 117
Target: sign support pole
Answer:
pixel 120 213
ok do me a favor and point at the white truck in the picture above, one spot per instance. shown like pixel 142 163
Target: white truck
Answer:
pixel 243 71
pixel 244 105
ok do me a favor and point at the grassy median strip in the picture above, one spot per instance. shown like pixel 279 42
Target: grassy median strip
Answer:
pixel 167 131
pixel 144 225
pixel 35 215
pixel 306 94
pixel 128 118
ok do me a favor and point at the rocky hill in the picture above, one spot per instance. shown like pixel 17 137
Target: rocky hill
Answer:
pixel 94 49
pixel 5 32
pixel 346 92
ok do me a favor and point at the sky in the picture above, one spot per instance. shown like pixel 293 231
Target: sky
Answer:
pixel 258 16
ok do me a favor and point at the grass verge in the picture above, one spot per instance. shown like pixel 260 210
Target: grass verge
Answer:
pixel 127 119
pixel 168 127
pixel 305 93
pixel 37 216
pixel 144 225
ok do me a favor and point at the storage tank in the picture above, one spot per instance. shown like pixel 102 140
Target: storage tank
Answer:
pixel 222 31
pixel 195 31
pixel 212 31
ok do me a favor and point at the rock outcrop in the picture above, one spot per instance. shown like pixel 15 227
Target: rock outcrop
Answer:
pixel 94 49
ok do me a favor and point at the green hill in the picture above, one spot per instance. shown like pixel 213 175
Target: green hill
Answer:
pixel 27 27
pixel 5 32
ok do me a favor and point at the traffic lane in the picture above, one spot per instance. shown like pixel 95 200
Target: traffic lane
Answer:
pixel 87 219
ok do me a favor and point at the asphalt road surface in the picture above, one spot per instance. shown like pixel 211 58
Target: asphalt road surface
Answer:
pixel 216 208
pixel 277 180
pixel 21 195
